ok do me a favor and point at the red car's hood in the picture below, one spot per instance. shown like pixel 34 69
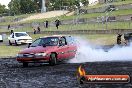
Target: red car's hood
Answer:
pixel 39 49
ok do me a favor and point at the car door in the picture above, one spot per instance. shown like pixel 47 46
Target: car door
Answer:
pixel 63 49
pixel 12 38
pixel 71 47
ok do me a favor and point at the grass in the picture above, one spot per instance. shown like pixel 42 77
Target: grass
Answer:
pixel 103 5
pixel 93 15
pixel 10 19
pixel 101 39
pixel 6 50
pixel 9 50
pixel 17 16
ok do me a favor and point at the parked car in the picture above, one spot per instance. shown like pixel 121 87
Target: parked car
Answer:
pixel 49 49
pixel 19 38
pixel 1 38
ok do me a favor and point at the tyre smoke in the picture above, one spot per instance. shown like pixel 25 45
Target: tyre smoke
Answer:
pixel 90 53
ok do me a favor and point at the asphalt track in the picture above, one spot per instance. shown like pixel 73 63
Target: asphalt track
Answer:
pixel 63 75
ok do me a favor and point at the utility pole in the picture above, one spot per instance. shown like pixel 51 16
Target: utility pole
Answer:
pixel 43 9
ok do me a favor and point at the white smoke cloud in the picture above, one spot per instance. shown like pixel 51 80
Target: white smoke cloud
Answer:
pixel 89 53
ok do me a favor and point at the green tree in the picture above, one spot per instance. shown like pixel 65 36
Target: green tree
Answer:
pixel 85 2
pixel 2 9
pixel 24 6
pixel 14 7
pixel 72 4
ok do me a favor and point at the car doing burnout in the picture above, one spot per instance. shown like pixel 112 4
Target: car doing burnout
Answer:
pixel 49 49
pixel 19 38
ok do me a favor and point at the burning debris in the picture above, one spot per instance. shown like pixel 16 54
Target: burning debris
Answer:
pixel 81 75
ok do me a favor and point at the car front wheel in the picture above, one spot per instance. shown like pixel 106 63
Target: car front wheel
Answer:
pixel 53 59
pixel 16 43
pixel 25 64
pixel 10 42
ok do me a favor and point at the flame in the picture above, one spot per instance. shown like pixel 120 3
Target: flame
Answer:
pixel 81 71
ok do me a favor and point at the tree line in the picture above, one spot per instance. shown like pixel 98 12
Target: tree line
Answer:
pixel 16 7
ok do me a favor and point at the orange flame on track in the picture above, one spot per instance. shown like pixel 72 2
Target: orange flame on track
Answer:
pixel 81 71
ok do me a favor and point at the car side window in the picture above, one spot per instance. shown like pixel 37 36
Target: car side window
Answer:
pixel 62 41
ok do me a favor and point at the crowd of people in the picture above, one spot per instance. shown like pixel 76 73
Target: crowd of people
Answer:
pixel 37 30
pixel 46 25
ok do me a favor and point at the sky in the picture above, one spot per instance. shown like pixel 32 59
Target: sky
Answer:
pixel 5 2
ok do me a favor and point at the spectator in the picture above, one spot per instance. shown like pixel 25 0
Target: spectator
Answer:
pixel 57 22
pixel 119 39
pixel 34 30
pixel 12 31
pixel 127 38
pixel 38 29
pixel 9 26
pixel 46 24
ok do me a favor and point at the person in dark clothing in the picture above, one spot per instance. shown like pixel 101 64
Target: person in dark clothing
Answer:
pixel 12 31
pixel 127 39
pixel 57 22
pixel 46 24
pixel 38 30
pixel 9 26
pixel 119 39
pixel 34 31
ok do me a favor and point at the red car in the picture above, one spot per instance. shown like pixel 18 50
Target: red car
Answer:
pixel 49 49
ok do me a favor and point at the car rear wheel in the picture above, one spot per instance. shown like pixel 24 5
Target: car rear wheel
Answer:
pixel 53 59
pixel 25 64
pixel 10 42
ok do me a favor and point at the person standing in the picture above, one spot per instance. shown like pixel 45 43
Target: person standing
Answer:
pixel 34 31
pixel 38 29
pixel 57 22
pixel 9 26
pixel 119 39
pixel 12 31
pixel 46 24
pixel 127 39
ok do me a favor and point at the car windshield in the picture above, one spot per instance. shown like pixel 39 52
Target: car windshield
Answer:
pixel 49 41
pixel 21 34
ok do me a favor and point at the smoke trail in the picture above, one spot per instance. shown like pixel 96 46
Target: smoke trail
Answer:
pixel 89 53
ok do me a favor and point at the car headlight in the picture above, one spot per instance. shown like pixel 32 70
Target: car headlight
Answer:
pixel 19 55
pixel 40 54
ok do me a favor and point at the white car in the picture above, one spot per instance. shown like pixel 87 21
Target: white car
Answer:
pixel 1 39
pixel 19 38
